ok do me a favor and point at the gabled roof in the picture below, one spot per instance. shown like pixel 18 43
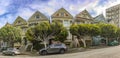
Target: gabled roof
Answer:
pixel 100 18
pixel 84 14
pixel 19 20
pixel 7 24
pixel 37 13
pixel 57 14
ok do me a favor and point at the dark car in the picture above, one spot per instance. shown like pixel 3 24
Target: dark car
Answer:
pixel 11 51
pixel 53 48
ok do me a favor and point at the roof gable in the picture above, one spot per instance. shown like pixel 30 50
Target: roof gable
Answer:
pixel 37 16
pixel 100 18
pixel 84 14
pixel 19 20
pixel 62 13
pixel 7 24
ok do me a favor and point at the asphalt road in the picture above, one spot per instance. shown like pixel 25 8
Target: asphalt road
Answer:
pixel 111 52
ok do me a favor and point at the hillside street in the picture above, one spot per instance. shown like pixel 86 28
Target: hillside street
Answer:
pixel 111 52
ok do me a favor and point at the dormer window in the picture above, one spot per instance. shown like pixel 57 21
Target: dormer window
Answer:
pixel 62 14
pixel 18 22
pixel 37 17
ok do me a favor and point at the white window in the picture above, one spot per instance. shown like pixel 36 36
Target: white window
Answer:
pixel 66 23
pixel 62 14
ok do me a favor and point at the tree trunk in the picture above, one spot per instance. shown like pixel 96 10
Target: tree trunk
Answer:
pixel 106 41
pixel 84 43
pixel 71 44
pixel 45 44
pixel 76 42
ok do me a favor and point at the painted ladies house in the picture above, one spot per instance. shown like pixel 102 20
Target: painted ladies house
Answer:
pixel 83 17
pixel 21 23
pixel 62 16
pixel 36 18
pixel 65 18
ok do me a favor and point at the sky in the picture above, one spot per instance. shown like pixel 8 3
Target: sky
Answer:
pixel 10 9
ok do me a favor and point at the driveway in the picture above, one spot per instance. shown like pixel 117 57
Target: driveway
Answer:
pixel 111 52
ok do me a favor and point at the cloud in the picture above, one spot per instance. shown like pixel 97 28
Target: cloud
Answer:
pixel 25 14
pixel 3 6
pixel 10 9
pixel 101 6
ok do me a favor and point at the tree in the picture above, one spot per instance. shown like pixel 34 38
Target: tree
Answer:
pixel 10 35
pixel 62 36
pixel 44 31
pixel 83 30
pixel 117 34
pixel 108 31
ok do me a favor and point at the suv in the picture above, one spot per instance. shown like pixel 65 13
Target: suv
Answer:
pixel 53 48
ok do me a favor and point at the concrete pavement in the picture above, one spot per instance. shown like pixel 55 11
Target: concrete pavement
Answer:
pixel 111 52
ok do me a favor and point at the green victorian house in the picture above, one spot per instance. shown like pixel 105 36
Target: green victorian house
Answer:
pixel 22 24
pixel 62 16
pixel 83 17
pixel 19 22
pixel 36 18
pixel 65 18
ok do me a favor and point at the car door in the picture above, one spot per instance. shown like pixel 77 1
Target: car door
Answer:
pixel 51 49
pixel 57 47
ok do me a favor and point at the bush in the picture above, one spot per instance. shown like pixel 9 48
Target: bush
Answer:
pixel 113 43
pixel 36 45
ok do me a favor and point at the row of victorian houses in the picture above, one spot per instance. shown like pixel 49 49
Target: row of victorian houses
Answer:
pixel 62 16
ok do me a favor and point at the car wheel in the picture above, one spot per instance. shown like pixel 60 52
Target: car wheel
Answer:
pixel 43 53
pixel 62 51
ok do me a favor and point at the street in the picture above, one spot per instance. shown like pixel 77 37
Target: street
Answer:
pixel 111 52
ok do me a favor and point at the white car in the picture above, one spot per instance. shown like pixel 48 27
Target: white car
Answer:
pixel 11 51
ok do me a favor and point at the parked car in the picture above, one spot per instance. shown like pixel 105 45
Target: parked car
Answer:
pixel 3 49
pixel 53 48
pixel 11 51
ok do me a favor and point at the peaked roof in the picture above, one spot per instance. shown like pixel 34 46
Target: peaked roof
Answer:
pixel 37 13
pixel 7 24
pixel 61 10
pixel 19 20
pixel 84 14
pixel 100 18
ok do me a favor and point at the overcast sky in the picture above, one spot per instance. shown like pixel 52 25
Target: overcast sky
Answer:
pixel 10 9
